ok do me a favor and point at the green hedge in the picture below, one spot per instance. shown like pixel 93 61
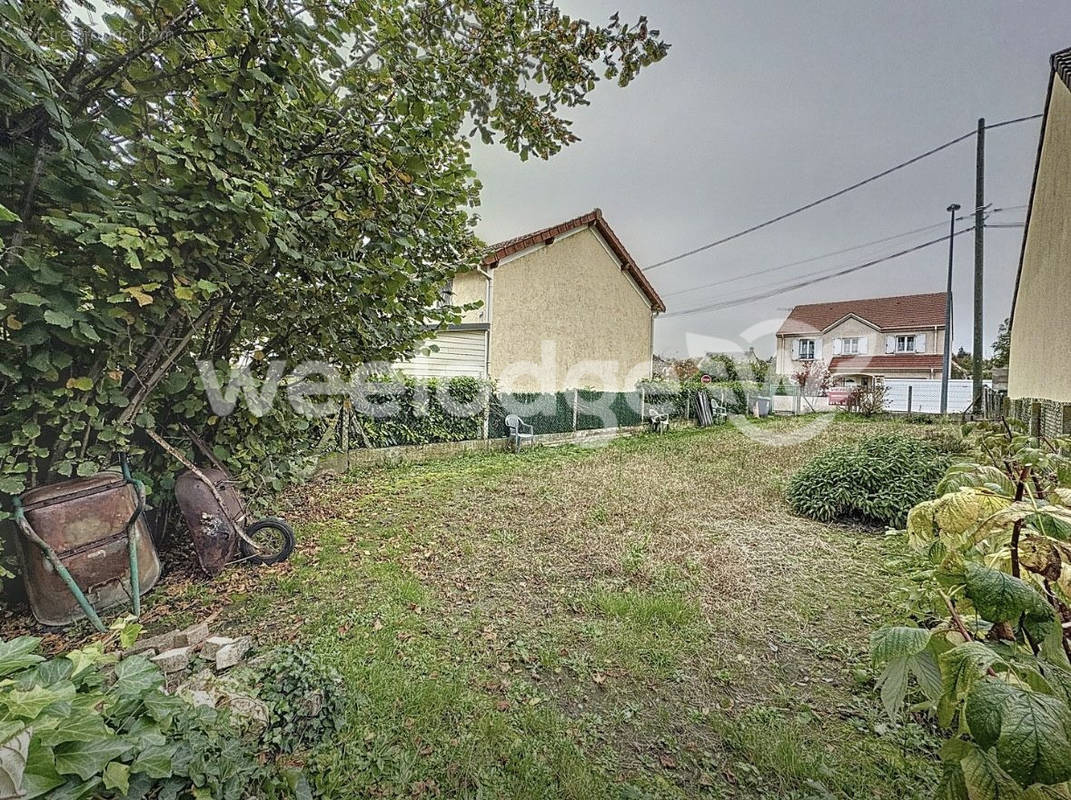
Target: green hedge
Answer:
pixel 422 417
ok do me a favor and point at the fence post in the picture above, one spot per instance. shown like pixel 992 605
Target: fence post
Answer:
pixel 643 403
pixel 576 404
pixel 909 388
pixel 487 417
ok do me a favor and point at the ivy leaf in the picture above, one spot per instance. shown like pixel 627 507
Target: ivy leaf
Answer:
pixel 117 776
pixel 13 755
pixel 18 654
pixel 135 676
pixel 155 761
pixel 86 759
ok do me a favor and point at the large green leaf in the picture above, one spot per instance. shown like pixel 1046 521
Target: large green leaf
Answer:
pixel 1000 597
pixel 1034 744
pixel 18 654
pixel 897 642
pixel 135 676
pixel 86 759
pixel 13 754
pixel 963 666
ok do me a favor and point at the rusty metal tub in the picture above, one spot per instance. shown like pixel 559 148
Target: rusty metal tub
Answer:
pixel 85 522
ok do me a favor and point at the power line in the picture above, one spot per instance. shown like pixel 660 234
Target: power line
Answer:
pixel 809 260
pixel 769 270
pixel 801 284
pixel 839 193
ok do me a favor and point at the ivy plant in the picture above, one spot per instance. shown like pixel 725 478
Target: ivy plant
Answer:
pixel 991 661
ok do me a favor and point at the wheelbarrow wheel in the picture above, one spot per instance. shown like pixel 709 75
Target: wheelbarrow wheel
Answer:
pixel 274 538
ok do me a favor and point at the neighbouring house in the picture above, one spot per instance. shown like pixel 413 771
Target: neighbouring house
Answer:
pixel 564 307
pixel 864 340
pixel 1039 371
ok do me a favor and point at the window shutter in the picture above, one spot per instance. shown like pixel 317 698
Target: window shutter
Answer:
pixel 818 349
pixel 890 344
pixel 920 343
pixel 795 349
pixel 838 346
pixel 864 345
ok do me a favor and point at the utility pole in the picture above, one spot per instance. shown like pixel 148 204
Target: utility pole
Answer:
pixel 979 270
pixel 947 362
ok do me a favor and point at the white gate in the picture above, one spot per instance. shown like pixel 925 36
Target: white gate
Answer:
pixel 926 395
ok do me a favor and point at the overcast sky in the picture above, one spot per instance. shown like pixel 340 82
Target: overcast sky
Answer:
pixel 763 106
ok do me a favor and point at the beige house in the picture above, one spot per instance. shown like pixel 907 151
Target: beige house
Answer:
pixel 860 340
pixel 564 307
pixel 1039 377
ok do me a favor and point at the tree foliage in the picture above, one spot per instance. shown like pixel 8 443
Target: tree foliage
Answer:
pixel 992 664
pixel 248 181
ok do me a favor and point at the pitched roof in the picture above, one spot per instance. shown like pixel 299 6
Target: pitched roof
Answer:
pixel 885 363
pixel 885 313
pixel 497 252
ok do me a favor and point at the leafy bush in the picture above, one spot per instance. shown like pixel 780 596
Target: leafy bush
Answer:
pixel 876 480
pixel 867 400
pixel 71 727
pixel 306 699
pixel 993 666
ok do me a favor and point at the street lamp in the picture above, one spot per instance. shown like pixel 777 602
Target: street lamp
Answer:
pixel 947 363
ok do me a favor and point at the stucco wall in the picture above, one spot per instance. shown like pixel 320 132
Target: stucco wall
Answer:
pixel 471 287
pixel 1041 330
pixel 559 308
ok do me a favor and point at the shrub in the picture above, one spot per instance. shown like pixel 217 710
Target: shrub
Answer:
pixel 876 480
pixel 867 400
pixel 306 699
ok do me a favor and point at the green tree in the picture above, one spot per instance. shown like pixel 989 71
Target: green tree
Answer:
pixel 260 180
pixel 1002 345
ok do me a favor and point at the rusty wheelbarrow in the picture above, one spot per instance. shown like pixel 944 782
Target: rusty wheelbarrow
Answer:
pixel 89 536
pixel 216 516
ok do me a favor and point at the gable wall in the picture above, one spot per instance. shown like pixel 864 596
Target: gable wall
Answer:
pixel 560 307
pixel 1040 365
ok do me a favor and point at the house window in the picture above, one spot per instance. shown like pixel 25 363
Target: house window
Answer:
pixel 905 344
pixel 850 347
pixel 806 349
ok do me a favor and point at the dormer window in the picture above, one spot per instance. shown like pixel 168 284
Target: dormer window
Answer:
pixel 905 344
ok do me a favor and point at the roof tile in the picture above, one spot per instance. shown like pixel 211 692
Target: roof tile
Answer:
pixel 887 313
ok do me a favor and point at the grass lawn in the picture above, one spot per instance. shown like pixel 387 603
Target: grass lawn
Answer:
pixel 640 620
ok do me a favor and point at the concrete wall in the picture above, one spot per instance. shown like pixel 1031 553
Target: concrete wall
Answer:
pixel 1041 330
pixel 471 287
pixel 567 316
